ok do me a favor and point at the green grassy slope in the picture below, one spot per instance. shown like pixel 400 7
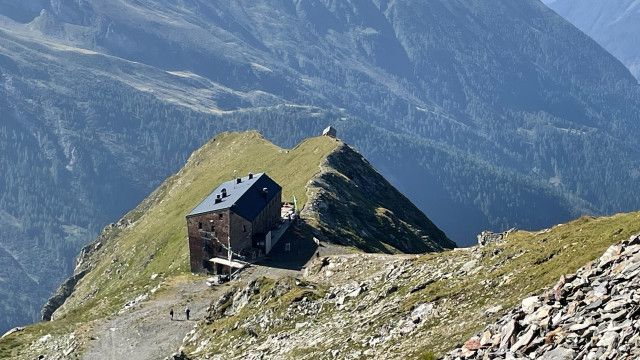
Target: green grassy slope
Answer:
pixel 156 242
pixel 522 266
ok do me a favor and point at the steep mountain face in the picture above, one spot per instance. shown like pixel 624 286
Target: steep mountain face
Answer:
pixel 592 314
pixel 531 107
pixel 100 101
pixel 614 25
pixel 16 281
pixel 355 206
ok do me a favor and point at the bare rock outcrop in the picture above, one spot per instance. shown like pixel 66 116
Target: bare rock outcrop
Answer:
pixel 85 262
pixel 62 293
pixel 489 237
pixel 593 314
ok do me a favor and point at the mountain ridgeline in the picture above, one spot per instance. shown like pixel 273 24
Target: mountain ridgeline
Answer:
pixel 336 188
pixel 614 25
pixel 479 112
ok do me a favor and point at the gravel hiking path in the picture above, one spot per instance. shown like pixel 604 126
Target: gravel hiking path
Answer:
pixel 146 331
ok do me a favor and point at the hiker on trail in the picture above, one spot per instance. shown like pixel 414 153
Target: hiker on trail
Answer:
pixel 187 311
pixel 171 313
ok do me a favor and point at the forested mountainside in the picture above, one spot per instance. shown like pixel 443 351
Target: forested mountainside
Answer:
pixel 613 24
pixel 481 113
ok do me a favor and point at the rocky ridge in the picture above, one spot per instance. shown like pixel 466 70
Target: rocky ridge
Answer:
pixel 359 316
pixel 487 237
pixel 418 234
pixel 593 314
pixel 384 220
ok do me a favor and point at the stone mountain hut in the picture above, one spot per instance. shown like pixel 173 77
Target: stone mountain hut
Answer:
pixel 233 223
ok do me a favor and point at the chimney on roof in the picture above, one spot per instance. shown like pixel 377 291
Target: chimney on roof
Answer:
pixel 224 193
pixel 238 180
pixel 218 199
pixel 250 176
pixel 265 192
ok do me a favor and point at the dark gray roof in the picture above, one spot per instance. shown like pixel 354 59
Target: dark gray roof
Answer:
pixel 245 199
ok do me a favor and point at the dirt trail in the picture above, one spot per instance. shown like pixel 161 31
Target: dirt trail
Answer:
pixel 146 332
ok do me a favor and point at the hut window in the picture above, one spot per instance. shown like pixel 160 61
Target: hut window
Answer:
pixel 220 216
pixel 244 228
pixel 200 225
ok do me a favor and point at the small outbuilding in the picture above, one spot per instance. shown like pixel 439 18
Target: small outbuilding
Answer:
pixel 233 224
pixel 330 131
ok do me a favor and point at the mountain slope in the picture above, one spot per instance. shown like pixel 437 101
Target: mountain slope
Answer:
pixel 614 25
pixel 161 216
pixel 71 120
pixel 14 279
pixel 499 125
pixel 150 239
pixel 100 101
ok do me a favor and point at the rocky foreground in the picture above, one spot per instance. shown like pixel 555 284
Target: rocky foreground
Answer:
pixel 594 314
pixel 420 307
